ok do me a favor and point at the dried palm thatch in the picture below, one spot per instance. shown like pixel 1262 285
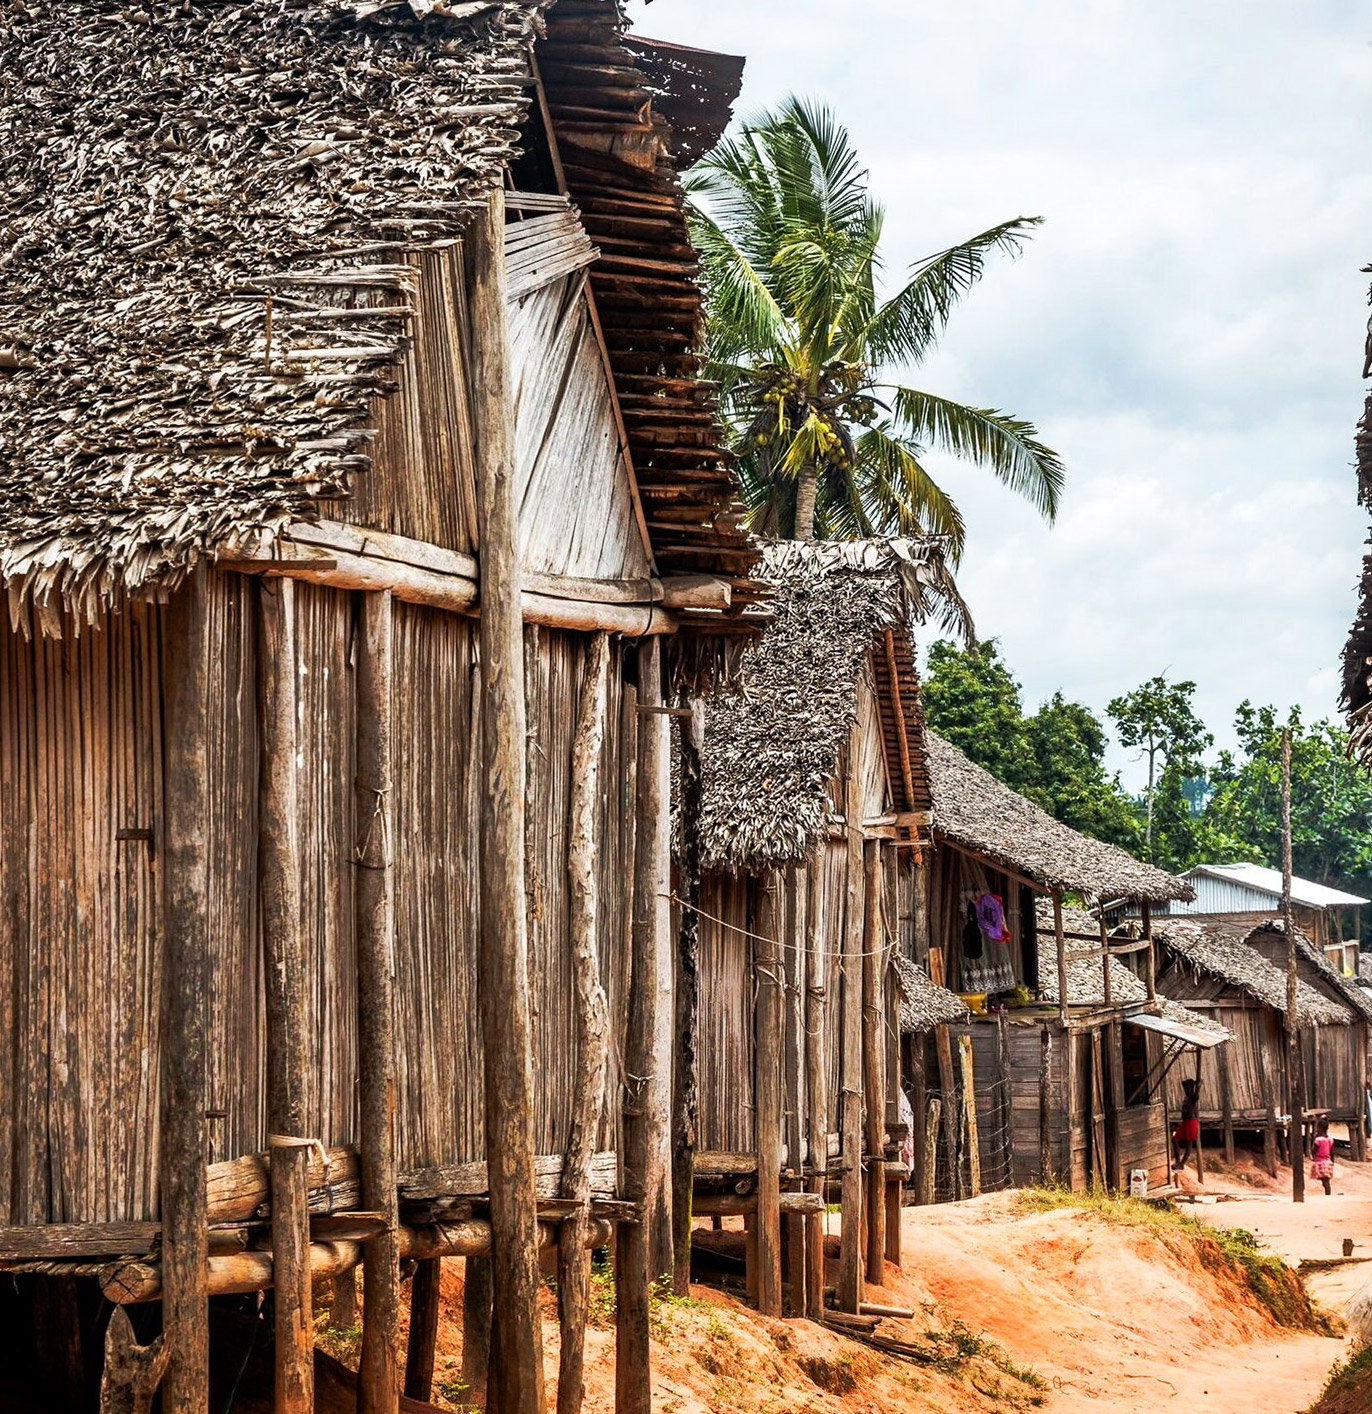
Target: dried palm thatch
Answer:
pixel 205 210
pixel 975 811
pixel 770 751
pixel 1220 949
pixel 1357 653
pixel 923 1003
pixel 1346 987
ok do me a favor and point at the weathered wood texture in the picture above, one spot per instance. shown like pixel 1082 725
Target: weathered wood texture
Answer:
pixel 874 1061
pixel 767 1088
pixel 423 1338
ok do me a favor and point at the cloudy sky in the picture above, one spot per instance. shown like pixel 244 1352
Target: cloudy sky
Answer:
pixel 1186 329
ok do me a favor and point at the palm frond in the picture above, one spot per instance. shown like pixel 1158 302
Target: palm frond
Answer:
pixel 900 495
pixel 907 324
pixel 743 310
pixel 1005 445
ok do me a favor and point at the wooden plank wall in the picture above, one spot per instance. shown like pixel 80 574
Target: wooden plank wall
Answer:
pixel 80 760
pixel 1251 1027
pixel 1142 1131
pixel 992 1085
pixel 726 1014
pixel 1025 1062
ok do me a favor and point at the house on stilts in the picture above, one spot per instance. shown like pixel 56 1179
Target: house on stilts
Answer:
pixel 361 511
pixel 1235 972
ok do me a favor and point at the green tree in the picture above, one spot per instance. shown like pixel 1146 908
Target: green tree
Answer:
pixel 799 337
pixel 1067 743
pixel 1158 719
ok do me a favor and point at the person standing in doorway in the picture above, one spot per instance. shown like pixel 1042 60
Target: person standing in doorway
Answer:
pixel 1322 1155
pixel 1186 1136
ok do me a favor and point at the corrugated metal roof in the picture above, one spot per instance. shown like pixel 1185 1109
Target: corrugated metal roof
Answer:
pixel 1268 881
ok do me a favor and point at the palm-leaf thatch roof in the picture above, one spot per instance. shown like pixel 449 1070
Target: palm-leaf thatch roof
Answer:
pixel 975 811
pixel 206 212
pixel 1346 987
pixel 1220 949
pixel 923 1003
pixel 770 750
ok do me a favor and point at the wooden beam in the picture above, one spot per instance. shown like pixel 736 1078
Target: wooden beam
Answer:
pixel 1062 956
pixel 686 999
pixel 183 1031
pixel 767 1096
pixel 283 973
pixel 378 1376
pixel 517 1340
pixel 874 1059
pixel 713 1205
pixel 906 767
pixel 591 1014
pixel 423 1338
pixel 850 1095
pixel 816 1078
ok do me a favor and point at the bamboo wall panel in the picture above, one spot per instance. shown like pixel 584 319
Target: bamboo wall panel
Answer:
pixel 80 749
pixel 1252 1027
pixel 421 482
pixel 576 508
pixel 726 1014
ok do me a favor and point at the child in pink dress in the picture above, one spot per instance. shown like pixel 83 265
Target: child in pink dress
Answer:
pixel 1322 1155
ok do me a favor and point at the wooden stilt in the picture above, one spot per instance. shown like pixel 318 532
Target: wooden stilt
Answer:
pixel 1268 1086
pixel 952 1113
pixel 591 1012
pixel 476 1327
pixel 283 973
pixel 893 1222
pixel 767 1093
pixel 644 1177
pixel 343 1304
pixel 969 1114
pixel 686 1001
pixel 850 1095
pixel 1226 1103
pixel 506 1028
pixel 378 1376
pixel 918 1105
pixel 132 1372
pixel 752 1263
pixel 929 1190
pixel 183 1034
pixel 874 1059
pixel 424 1308
pixel 816 1080
pixel 793 1229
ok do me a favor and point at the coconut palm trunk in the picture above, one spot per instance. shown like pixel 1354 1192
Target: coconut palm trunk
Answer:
pixel 807 485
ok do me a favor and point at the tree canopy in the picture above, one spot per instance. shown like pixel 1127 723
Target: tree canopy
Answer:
pixel 800 337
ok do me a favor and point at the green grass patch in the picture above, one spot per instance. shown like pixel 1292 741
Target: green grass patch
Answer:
pixel 1233 1251
pixel 1349 1388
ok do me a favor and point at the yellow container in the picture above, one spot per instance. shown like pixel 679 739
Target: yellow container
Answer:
pixel 976 1001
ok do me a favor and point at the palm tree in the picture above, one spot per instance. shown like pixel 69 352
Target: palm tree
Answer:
pixel 798 339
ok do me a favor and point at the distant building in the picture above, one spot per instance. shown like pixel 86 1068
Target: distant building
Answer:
pixel 1330 917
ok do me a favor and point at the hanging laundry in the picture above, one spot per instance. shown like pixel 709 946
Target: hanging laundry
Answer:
pixel 991 918
pixel 972 935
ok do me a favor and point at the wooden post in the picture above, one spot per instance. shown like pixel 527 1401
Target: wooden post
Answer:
pixel 920 885
pixel 1062 956
pixel 503 994
pixel 1119 1180
pixel 1150 957
pixel 1268 1085
pixel 686 1001
pixel 1045 1107
pixel 943 1044
pixel 132 1372
pixel 424 1307
pixel 1071 1094
pixel 893 1223
pixel 476 1327
pixel 1226 1103
pixel 183 1141
pixel 767 1096
pixel 928 1190
pixel 816 1080
pixel 378 1376
pixel 969 1113
pixel 591 1012
pixel 644 1176
pixel 850 1096
pixel 1200 1147
pixel 278 870
pixel 752 1266
pixel 918 1103
pixel 1294 1077
pixel 1106 980
pixel 874 1059
pixel 343 1301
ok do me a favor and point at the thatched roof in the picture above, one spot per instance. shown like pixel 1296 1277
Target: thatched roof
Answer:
pixel 770 751
pixel 1346 987
pixel 974 810
pixel 1220 949
pixel 169 169
pixel 923 1003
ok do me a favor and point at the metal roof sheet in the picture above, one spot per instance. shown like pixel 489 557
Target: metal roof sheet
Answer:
pixel 1168 1026
pixel 1268 881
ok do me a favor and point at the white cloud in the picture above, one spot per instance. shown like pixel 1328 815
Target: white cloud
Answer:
pixel 1186 329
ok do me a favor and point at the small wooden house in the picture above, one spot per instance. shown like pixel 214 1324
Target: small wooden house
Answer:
pixel 812 805
pixel 1061 1079
pixel 359 509
pixel 1235 972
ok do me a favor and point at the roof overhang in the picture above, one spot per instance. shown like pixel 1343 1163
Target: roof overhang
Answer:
pixel 1178 1030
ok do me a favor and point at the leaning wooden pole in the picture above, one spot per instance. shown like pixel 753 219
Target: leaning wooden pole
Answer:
pixel 686 1001
pixel 874 1060
pixel 592 1017
pixel 1295 1078
pixel 378 1375
pixel 816 1079
pixel 644 1176
pixel 768 990
pixel 283 973
pixel 517 1335
pixel 184 1002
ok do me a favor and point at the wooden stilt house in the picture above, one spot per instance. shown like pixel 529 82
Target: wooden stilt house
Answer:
pixel 1063 1080
pixel 359 507
pixel 813 804
pixel 1236 973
